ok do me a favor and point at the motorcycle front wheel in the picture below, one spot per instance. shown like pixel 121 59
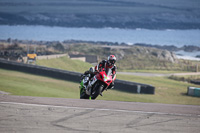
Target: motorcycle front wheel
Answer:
pixel 96 90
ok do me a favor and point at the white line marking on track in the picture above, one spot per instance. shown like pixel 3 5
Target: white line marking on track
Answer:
pixel 117 110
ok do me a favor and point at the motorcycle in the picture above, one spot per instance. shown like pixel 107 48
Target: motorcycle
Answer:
pixel 96 85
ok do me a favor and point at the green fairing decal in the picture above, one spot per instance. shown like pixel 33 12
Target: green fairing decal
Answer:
pixel 81 87
pixel 81 84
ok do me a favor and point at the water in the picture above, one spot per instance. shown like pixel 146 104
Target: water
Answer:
pixel 45 33
pixel 188 55
pixel 160 37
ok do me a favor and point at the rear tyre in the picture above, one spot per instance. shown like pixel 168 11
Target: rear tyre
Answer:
pixel 83 95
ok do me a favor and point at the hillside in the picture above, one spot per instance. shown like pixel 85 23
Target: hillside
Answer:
pixel 154 14
pixel 128 57
pixel 135 57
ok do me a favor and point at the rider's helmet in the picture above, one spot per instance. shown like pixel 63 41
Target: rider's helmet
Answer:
pixel 111 60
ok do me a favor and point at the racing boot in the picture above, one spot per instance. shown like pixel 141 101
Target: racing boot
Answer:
pixel 85 80
pixel 90 83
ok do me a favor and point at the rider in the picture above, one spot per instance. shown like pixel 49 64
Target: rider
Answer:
pixel 110 63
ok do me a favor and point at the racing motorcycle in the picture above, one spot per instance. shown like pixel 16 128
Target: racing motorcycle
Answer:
pixel 92 88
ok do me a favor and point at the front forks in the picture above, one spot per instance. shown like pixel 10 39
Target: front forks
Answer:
pixel 90 84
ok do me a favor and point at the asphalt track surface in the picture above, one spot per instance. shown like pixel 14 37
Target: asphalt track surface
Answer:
pixel 23 114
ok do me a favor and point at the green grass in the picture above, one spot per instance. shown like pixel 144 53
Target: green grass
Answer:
pixel 185 78
pixel 154 71
pixel 167 91
pixel 18 83
pixel 65 63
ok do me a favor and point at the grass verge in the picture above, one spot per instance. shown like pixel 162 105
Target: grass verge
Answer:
pixel 167 91
pixel 65 63
pixel 154 71
pixel 18 83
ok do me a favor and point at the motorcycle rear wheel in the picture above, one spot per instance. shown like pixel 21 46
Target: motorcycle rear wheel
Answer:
pixel 83 94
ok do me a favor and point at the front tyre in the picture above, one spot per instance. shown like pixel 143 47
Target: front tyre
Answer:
pixel 96 90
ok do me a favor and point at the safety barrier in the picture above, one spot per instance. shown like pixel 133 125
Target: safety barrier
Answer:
pixel 195 82
pixel 134 87
pixel 121 85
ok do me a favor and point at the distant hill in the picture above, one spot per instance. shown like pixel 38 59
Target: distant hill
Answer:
pixel 128 57
pixel 129 14
pixel 187 48
pixel 134 57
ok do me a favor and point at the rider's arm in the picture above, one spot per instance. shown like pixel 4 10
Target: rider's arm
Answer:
pixel 114 70
pixel 100 65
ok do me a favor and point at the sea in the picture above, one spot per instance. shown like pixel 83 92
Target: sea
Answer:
pixel 174 37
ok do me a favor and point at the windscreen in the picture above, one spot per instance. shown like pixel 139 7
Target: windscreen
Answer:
pixel 108 71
